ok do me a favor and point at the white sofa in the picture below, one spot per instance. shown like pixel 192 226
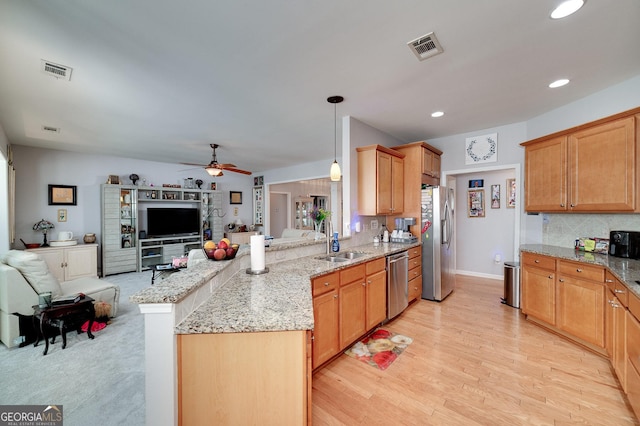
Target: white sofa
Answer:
pixel 299 233
pixel 24 275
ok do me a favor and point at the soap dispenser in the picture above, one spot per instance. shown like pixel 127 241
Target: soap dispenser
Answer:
pixel 335 244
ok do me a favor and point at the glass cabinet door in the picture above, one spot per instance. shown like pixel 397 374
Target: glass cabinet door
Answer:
pixel 304 206
pixel 128 217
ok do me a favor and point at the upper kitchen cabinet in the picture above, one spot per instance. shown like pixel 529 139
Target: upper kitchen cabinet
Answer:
pixel 380 181
pixel 590 168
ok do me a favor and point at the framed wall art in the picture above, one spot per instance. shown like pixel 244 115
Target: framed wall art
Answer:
pixel 511 193
pixel 495 196
pixel 235 197
pixel 476 183
pixel 258 205
pixel 62 215
pixel 475 203
pixel 62 195
pixel 481 149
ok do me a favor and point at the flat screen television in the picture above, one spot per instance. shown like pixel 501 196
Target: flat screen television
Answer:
pixel 169 222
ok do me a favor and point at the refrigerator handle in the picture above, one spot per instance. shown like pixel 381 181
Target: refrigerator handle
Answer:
pixel 446 234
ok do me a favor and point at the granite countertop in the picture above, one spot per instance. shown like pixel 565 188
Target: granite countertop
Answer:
pixel 278 300
pixel 626 270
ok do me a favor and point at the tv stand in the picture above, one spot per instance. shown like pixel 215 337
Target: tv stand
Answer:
pixel 156 251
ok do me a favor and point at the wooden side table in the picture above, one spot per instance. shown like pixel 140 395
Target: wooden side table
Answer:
pixel 63 318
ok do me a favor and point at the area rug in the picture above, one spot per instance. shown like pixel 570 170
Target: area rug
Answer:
pixel 380 348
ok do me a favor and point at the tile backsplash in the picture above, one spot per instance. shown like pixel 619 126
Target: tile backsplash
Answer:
pixel 562 229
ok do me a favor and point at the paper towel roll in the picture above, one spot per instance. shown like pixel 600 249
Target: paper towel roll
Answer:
pixel 257 252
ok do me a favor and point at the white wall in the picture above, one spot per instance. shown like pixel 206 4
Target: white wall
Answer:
pixel 36 168
pixel 4 194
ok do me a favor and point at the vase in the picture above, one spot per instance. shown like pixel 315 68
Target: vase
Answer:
pixel 318 226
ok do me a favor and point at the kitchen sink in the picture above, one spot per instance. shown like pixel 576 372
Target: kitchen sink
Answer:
pixel 333 258
pixel 342 257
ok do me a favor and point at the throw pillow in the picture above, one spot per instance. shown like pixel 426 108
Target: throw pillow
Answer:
pixel 34 269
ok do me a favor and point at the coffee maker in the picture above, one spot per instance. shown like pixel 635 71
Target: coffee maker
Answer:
pixel 401 233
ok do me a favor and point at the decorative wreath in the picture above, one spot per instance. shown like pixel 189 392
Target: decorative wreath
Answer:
pixel 492 150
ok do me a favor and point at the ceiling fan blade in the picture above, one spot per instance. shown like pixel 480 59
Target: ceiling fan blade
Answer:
pixel 232 169
pixel 194 164
pixel 226 166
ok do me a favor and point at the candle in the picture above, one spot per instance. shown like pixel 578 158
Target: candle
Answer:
pixel 257 252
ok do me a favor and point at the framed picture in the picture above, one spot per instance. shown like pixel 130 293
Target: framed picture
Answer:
pixel 214 186
pixel 475 202
pixel 258 206
pixel 495 196
pixel 258 181
pixel 62 215
pixel 62 195
pixel 476 183
pixel 511 193
pixel 235 197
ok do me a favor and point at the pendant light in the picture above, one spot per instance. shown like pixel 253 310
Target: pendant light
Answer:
pixel 335 172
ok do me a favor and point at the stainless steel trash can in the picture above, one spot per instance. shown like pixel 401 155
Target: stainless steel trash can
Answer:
pixel 512 284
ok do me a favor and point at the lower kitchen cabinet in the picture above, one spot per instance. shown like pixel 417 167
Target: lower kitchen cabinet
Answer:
pixel 352 305
pixel 70 262
pixel 616 335
pixel 538 287
pixel 581 309
pixel 346 305
pixel 633 361
pixel 415 274
pixel 376 293
pixel 217 378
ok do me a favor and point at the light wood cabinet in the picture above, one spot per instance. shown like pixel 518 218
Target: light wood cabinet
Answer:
pixel 590 168
pixel 376 293
pixel 538 287
pixel 380 181
pixel 632 361
pixel 217 378
pixel 415 273
pixel 71 262
pixel 581 301
pixel 352 296
pixel 421 165
pixel 326 332
pixel 615 335
pixel 346 305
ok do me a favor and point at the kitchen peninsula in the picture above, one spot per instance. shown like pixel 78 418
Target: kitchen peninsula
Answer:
pixel 214 319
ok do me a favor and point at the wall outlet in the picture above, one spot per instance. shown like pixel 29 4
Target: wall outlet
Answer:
pixel 374 224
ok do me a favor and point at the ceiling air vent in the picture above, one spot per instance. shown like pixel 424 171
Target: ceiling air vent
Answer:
pixel 51 129
pixel 426 46
pixel 56 70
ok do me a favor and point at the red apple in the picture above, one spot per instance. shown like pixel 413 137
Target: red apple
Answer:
pixel 231 253
pixel 223 244
pixel 220 254
pixel 210 253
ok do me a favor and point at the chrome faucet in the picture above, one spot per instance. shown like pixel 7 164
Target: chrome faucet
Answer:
pixel 328 235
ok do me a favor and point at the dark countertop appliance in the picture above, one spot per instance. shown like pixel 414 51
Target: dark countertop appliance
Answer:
pixel 624 244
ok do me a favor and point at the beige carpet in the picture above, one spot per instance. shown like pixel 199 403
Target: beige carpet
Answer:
pixel 98 381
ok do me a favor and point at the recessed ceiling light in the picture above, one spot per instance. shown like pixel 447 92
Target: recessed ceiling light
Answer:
pixel 437 114
pixel 559 83
pixel 566 8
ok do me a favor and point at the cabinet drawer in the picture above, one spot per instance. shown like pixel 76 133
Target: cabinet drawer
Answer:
pixel 376 266
pixel 581 270
pixel 538 261
pixel 325 283
pixel 415 252
pixel 415 262
pixel 634 305
pixel 633 387
pixel 415 273
pixel 352 274
pixel 415 287
pixel 620 290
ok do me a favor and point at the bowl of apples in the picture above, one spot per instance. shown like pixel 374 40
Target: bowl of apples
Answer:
pixel 223 250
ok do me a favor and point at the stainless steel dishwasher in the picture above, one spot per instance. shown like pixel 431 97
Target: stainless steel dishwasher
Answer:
pixel 397 284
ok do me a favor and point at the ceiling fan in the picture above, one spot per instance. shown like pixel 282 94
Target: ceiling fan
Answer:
pixel 215 169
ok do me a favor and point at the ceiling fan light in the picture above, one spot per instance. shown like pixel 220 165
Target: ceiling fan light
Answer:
pixel 335 172
pixel 566 8
pixel 213 171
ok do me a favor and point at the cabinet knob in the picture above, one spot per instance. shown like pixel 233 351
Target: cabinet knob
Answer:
pixel 364 284
pixel 335 296
pixel 573 205
pixel 608 281
pixel 536 261
pixel 562 205
pixel 550 277
pixel 578 270
pixel 561 280
pixel 326 284
pixel 617 290
pixel 368 281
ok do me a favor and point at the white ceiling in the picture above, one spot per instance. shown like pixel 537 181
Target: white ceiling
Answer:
pixel 161 80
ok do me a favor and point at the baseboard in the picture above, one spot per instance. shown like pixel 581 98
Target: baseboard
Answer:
pixel 480 275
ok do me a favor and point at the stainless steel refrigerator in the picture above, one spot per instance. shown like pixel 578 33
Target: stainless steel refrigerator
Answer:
pixel 438 275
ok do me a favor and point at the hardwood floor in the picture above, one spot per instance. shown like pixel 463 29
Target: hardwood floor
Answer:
pixel 473 361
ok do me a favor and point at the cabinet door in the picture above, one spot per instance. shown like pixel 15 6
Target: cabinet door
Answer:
pixel 581 309
pixel 619 342
pixel 546 175
pixel 326 333
pixel 54 259
pixel 81 261
pixel 397 185
pixel 384 183
pixel 633 361
pixel 376 299
pixel 538 294
pixel 352 312
pixel 601 163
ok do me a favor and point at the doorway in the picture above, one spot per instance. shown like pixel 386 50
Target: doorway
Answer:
pixel 279 212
